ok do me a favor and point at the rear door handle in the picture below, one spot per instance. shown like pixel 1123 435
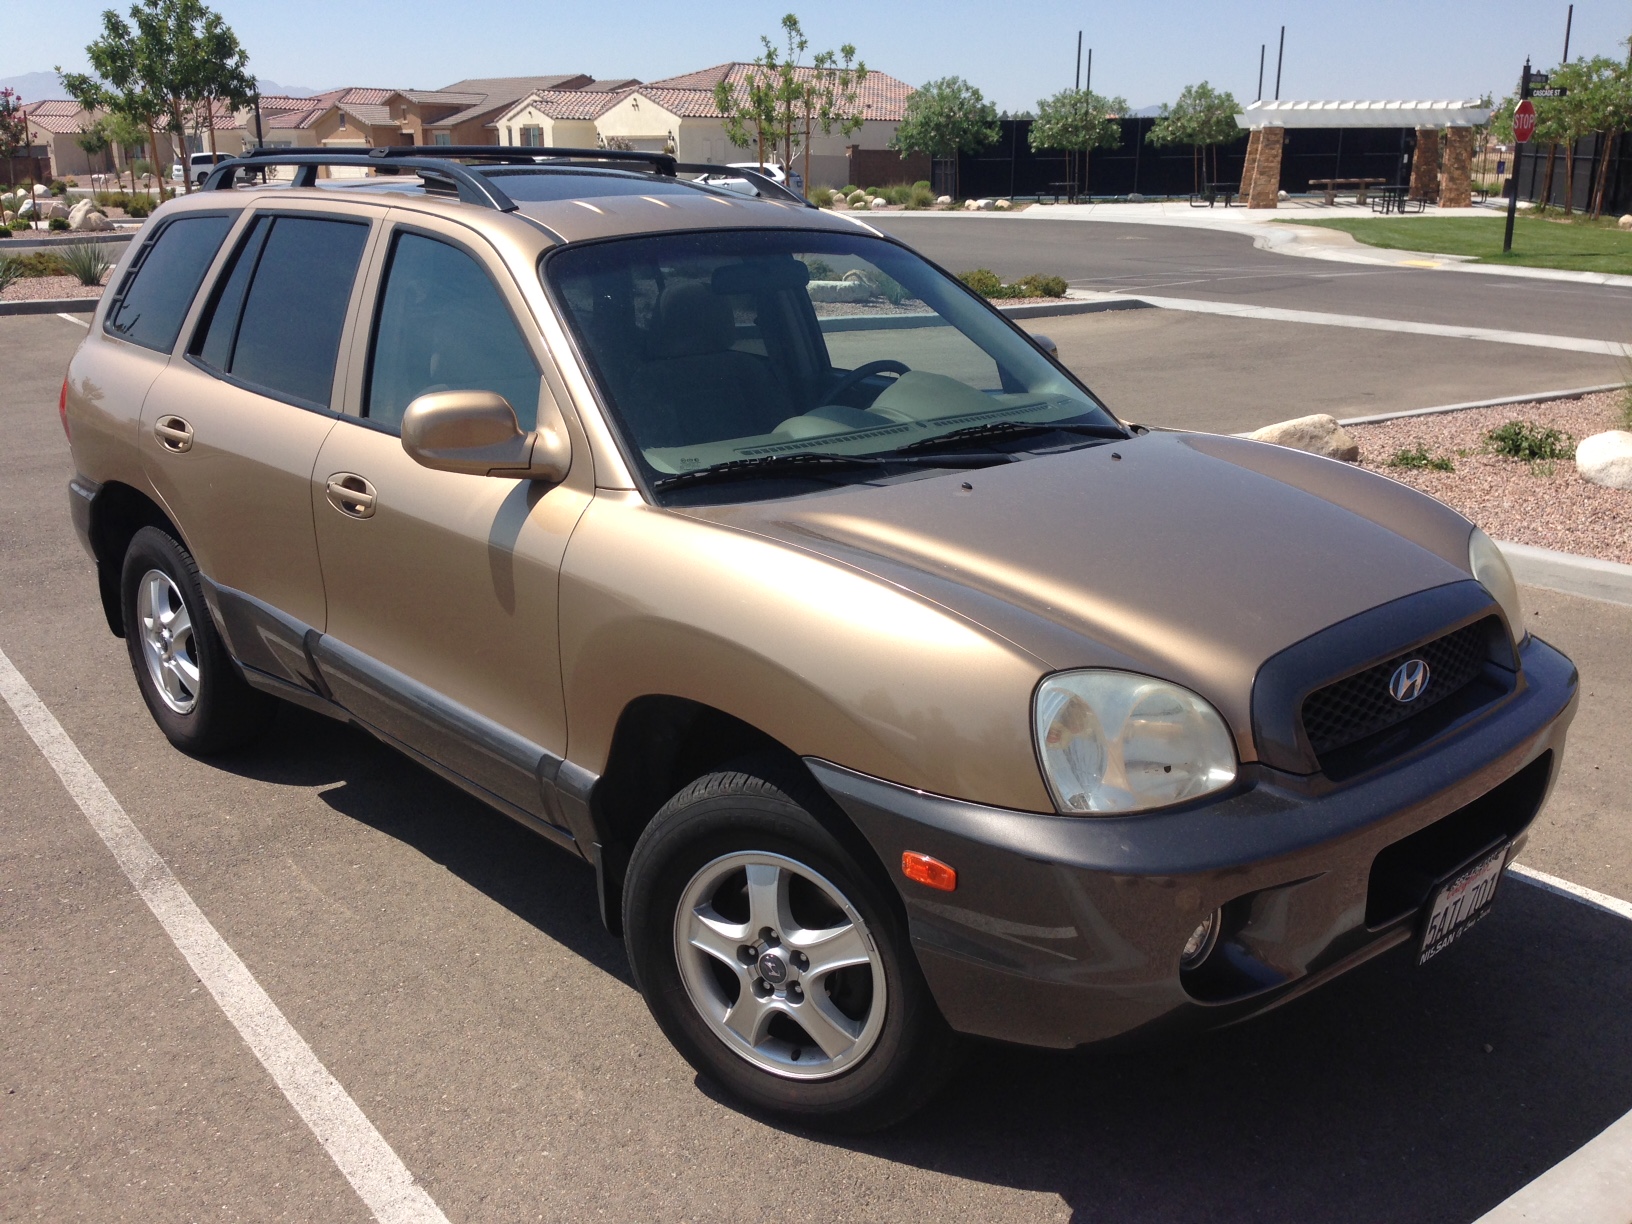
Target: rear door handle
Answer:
pixel 174 434
pixel 350 494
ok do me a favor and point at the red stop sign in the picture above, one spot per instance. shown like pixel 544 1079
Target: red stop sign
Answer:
pixel 1524 121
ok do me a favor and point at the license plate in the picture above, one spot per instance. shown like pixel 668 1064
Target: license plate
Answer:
pixel 1459 903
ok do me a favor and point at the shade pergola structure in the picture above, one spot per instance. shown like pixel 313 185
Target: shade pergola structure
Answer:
pixel 1451 184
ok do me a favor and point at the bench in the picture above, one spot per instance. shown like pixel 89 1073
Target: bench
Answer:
pixel 1067 190
pixel 1396 200
pixel 1357 185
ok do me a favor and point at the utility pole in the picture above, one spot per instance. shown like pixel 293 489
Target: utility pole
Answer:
pixel 1279 56
pixel 1262 47
pixel 1076 80
pixel 1569 20
pixel 1089 83
pixel 1513 194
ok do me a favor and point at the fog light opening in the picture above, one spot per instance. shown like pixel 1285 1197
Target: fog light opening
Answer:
pixel 1202 941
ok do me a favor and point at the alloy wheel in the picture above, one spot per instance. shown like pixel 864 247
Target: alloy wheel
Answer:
pixel 168 646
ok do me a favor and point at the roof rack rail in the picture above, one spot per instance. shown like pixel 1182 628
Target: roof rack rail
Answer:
pixel 445 163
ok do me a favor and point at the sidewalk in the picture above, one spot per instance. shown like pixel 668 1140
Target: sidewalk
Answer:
pixel 1269 232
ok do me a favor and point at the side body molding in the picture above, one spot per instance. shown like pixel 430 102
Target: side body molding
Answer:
pixel 525 781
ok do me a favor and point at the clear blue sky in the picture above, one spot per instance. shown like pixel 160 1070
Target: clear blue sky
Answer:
pixel 1144 50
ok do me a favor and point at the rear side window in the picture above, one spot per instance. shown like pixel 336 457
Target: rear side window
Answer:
pixel 277 316
pixel 158 289
pixel 442 325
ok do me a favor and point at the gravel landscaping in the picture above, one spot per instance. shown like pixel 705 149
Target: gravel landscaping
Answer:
pixel 1542 503
pixel 45 288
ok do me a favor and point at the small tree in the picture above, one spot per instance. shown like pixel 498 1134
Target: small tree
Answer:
pixel 126 133
pixel 1585 109
pixel 120 61
pixel 1078 120
pixel 945 118
pixel 1202 118
pixel 832 97
pixel 750 110
pixel 13 131
pixel 94 139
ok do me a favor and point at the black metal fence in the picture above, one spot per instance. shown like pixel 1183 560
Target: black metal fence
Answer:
pixel 1010 168
pixel 1588 156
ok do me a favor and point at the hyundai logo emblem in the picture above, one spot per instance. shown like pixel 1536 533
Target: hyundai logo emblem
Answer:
pixel 1408 681
pixel 772 969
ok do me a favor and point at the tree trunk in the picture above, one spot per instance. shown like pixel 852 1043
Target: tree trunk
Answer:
pixel 807 154
pixel 209 111
pixel 1606 148
pixel 1086 193
pixel 1569 178
pixel 153 157
pixel 1547 178
pixel 1195 168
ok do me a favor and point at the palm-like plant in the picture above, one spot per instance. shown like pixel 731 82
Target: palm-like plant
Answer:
pixel 85 262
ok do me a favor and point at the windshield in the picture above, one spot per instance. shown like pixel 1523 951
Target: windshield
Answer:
pixel 721 348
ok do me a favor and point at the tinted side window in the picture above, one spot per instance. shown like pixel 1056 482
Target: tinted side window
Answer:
pixel 442 325
pixel 289 328
pixel 158 290
pixel 214 341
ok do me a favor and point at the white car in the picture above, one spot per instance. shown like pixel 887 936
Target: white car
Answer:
pixel 793 180
pixel 199 166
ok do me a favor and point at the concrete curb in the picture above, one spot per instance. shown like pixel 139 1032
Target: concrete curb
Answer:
pixel 15 245
pixel 1540 397
pixel 51 306
pixel 1571 574
pixel 1049 310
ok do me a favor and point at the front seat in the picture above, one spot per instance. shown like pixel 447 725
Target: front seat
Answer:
pixel 694 387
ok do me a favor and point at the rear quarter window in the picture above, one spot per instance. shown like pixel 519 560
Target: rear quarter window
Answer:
pixel 160 286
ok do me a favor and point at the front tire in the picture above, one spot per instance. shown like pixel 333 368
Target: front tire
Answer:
pixel 776 964
pixel 188 680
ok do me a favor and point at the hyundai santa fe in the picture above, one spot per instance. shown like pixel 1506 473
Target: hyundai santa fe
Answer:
pixel 896 691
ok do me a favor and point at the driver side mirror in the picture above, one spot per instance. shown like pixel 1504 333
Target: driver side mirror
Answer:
pixel 1043 342
pixel 476 433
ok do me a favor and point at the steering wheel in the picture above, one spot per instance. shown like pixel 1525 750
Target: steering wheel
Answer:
pixel 862 372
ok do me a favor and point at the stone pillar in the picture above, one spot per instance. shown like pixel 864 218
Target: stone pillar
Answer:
pixel 1266 170
pixel 1250 164
pixel 1425 166
pixel 1456 179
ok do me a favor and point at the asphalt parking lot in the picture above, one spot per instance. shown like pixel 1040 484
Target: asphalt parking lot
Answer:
pixel 449 970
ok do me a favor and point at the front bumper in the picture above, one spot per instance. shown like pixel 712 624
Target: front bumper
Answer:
pixel 1066 930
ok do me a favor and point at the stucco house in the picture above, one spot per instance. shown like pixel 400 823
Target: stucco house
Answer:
pixel 679 113
pixel 564 118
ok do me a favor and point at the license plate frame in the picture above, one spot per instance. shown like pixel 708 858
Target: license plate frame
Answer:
pixel 1460 900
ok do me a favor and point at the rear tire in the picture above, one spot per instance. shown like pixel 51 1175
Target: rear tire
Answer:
pixel 188 680
pixel 775 962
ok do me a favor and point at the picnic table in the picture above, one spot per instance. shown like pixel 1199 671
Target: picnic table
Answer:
pixel 1212 192
pixel 1396 200
pixel 1067 189
pixel 1357 185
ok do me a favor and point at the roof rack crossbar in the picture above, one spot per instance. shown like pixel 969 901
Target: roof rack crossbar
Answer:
pixel 663 163
pixel 763 183
pixel 471 188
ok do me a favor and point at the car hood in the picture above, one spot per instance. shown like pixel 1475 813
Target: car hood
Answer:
pixel 1190 556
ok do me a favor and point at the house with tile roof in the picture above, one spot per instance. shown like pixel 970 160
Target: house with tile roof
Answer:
pixel 679 114
pixel 474 123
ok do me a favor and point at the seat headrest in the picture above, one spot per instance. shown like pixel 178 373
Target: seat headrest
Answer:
pixel 692 319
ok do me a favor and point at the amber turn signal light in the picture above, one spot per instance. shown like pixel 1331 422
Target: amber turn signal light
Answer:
pixel 930 872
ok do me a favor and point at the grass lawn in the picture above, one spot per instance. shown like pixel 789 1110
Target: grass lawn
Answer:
pixel 1538 242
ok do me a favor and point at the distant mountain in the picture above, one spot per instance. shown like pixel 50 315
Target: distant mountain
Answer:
pixel 36 86
pixel 1146 112
pixel 288 91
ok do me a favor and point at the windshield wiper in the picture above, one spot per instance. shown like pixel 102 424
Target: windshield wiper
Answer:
pixel 764 465
pixel 1011 429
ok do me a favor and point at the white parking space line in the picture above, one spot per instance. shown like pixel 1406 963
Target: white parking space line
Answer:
pixel 74 319
pixel 361 1152
pixel 1572 344
pixel 1593 1184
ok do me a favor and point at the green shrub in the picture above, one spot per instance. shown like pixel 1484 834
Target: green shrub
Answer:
pixel 857 196
pixel 822 197
pixel 924 183
pixel 39 263
pixel 139 206
pixel 820 269
pixel 87 262
pixel 849 189
pixel 919 196
pixel 1419 457
pixel 58 187
pixel 1522 440
pixel 58 225
pixel 17 226
pixel 9 271
pixel 1038 285
pixel 984 282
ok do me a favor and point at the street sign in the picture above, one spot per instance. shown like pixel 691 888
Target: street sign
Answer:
pixel 1557 92
pixel 1538 80
pixel 1524 121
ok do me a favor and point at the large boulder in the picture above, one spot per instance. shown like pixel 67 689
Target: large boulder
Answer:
pixel 1319 435
pixel 1625 222
pixel 56 210
pixel 1606 459
pixel 879 202
pixel 945 199
pixel 1004 205
pixel 86 217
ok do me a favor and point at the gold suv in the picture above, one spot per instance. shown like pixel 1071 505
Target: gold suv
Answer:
pixel 895 690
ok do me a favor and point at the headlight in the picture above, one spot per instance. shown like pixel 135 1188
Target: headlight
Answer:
pixel 1491 569
pixel 1113 741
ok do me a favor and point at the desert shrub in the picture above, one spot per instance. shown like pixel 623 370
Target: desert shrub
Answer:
pixel 17 225
pixel 857 196
pixel 58 187
pixel 58 225
pixel 984 282
pixel 1418 457
pixel 820 269
pixel 39 263
pixel 848 189
pixel 1522 440
pixel 87 262
pixel 8 271
pixel 1038 285
pixel 822 197
pixel 924 183
pixel 139 206
pixel 919 196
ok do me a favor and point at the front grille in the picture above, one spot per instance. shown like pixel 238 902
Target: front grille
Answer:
pixel 1360 705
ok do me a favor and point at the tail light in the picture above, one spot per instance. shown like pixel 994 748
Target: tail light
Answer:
pixel 62 410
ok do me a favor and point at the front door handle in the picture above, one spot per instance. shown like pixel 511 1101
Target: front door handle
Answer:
pixel 174 434
pixel 350 494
